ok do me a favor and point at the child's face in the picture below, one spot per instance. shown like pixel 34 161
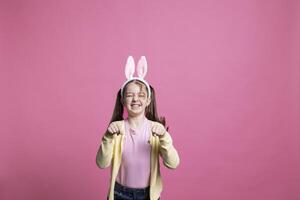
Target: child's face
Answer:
pixel 136 99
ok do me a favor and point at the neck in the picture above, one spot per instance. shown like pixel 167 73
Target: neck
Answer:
pixel 136 121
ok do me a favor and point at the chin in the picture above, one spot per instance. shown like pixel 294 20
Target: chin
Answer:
pixel 135 112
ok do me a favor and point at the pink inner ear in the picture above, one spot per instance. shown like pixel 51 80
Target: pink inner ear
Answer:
pixel 142 67
pixel 129 69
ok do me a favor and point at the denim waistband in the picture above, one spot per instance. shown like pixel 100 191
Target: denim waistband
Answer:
pixel 118 186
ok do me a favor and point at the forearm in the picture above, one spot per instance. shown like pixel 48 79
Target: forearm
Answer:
pixel 168 152
pixel 105 152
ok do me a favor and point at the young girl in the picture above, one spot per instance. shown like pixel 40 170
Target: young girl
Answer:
pixel 132 146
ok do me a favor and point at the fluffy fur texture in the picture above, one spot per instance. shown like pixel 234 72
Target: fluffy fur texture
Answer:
pixel 141 70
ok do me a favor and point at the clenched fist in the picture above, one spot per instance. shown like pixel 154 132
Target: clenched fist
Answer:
pixel 158 129
pixel 113 128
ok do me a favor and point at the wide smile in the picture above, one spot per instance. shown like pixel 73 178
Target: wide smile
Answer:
pixel 135 106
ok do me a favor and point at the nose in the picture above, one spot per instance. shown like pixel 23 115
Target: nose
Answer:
pixel 135 97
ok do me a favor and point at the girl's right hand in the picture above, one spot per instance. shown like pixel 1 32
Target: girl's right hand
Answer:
pixel 113 128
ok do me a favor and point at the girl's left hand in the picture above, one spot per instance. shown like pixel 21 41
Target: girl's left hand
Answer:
pixel 158 129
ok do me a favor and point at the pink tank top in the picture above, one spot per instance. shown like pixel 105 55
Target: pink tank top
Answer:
pixel 135 169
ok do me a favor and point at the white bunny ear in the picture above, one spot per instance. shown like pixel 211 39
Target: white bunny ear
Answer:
pixel 129 68
pixel 142 67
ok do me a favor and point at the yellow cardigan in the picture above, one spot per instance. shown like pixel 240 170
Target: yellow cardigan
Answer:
pixel 110 153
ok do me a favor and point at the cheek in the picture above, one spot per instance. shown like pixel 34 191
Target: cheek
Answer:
pixel 127 99
pixel 126 102
pixel 146 103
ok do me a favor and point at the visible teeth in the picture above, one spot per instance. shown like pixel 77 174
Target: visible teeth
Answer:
pixel 135 106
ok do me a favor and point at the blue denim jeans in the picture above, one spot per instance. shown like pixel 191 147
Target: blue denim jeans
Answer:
pixel 125 193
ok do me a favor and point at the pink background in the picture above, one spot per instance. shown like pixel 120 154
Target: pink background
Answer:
pixel 226 75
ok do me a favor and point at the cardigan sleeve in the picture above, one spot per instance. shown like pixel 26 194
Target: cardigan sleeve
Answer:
pixel 168 152
pixel 105 152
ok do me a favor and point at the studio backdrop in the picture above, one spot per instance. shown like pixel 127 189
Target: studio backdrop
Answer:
pixel 226 75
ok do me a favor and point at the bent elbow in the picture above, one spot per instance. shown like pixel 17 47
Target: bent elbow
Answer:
pixel 102 163
pixel 172 165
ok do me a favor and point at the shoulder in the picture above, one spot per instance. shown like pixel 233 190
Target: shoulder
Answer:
pixel 154 123
pixel 151 122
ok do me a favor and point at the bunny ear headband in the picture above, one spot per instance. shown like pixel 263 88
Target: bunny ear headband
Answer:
pixel 141 70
